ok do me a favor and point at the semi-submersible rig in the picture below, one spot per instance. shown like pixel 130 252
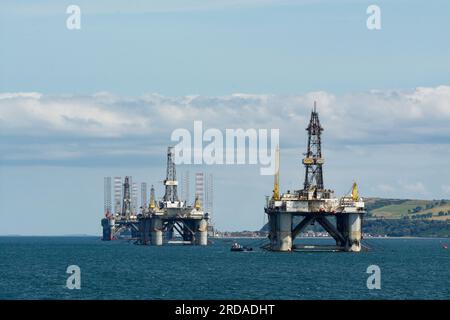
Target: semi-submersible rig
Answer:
pixel 157 223
pixel 341 218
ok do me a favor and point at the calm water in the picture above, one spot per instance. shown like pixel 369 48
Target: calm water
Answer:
pixel 34 268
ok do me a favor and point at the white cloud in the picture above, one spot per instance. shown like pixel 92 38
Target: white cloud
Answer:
pixel 376 117
pixel 386 189
pixel 411 190
pixel 416 188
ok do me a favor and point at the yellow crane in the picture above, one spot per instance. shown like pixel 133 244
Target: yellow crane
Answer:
pixel 197 204
pixel 355 193
pixel 276 182
pixel 152 198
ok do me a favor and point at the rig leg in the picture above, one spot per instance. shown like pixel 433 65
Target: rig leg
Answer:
pixel 107 229
pixel 342 227
pixel 156 232
pixel 280 232
pixel 144 226
pixel 354 232
pixel 201 236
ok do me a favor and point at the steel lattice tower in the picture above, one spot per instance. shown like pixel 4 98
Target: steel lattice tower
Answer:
pixel 107 195
pixel 186 184
pixel 144 195
pixel 126 205
pixel 313 157
pixel 209 194
pixel 200 187
pixel 118 195
pixel 171 178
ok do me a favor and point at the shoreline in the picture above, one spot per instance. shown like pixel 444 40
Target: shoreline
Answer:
pixel 387 237
pixel 238 237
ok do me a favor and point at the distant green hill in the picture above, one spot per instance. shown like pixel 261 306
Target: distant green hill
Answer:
pixel 407 217
pixel 407 208
pixel 407 227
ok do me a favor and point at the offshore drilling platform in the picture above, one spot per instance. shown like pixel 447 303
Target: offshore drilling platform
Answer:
pixel 158 221
pixel 125 220
pixel 171 214
pixel 341 218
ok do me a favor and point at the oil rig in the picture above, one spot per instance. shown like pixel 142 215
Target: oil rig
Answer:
pixel 341 218
pixel 160 220
pixel 124 221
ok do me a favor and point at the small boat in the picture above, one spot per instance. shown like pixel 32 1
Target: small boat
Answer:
pixel 237 247
pixel 445 246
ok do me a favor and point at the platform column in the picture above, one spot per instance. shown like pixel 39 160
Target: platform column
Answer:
pixel 280 231
pixel 354 232
pixel 144 228
pixel 108 226
pixel 342 227
pixel 201 236
pixel 156 232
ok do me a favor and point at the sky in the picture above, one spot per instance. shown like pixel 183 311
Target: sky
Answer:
pixel 79 105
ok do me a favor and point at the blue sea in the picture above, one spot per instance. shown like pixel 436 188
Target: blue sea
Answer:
pixel 35 268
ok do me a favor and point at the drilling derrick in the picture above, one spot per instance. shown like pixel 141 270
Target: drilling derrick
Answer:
pixel 126 202
pixel 171 178
pixel 313 157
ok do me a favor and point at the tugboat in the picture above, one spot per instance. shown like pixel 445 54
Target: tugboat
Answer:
pixel 237 247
